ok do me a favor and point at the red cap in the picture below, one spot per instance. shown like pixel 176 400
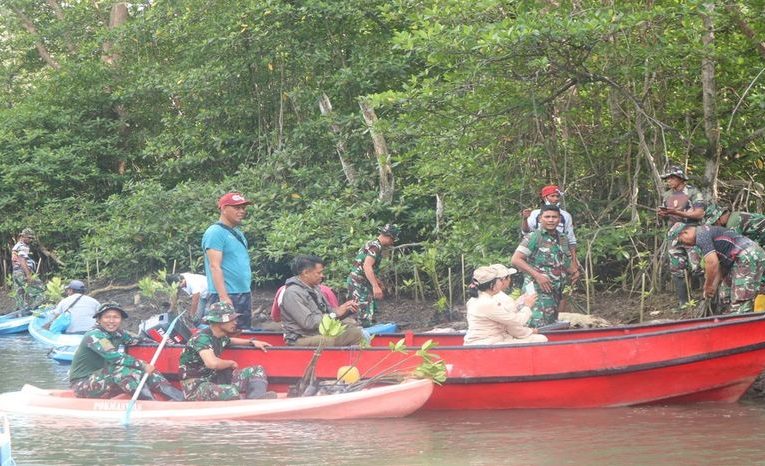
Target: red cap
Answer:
pixel 232 199
pixel 547 190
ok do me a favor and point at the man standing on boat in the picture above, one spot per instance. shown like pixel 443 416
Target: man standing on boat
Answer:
pixel 78 307
pixel 102 369
pixel 303 306
pixel 681 203
pixel 733 263
pixel 363 284
pixel 24 268
pixel 545 258
pixel 227 259
pixel 207 377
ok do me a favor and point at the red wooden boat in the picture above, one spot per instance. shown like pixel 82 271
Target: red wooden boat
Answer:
pixel 712 359
pixel 378 402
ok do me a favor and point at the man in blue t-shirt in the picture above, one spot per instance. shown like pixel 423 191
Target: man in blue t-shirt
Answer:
pixel 227 260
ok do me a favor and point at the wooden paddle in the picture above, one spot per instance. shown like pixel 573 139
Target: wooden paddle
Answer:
pixel 126 417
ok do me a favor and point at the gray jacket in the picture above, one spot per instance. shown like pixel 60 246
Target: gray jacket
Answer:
pixel 302 310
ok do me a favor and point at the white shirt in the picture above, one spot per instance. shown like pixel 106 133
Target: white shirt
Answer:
pixel 195 283
pixel 81 313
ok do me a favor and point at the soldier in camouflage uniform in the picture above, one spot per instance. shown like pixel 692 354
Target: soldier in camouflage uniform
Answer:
pixel 363 284
pixel 545 258
pixel 681 203
pixel 28 288
pixel 102 369
pixel 744 223
pixel 730 258
pixel 207 377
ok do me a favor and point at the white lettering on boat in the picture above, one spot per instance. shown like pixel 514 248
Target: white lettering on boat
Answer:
pixel 113 405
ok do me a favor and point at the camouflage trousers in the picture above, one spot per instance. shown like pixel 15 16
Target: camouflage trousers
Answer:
pixel 545 310
pixel 228 384
pixel 745 280
pixel 28 294
pixel 114 380
pixel 362 293
pixel 682 258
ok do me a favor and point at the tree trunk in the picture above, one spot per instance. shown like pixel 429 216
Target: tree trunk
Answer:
pixel 709 93
pixel 117 17
pixel 381 151
pixel 39 45
pixel 325 106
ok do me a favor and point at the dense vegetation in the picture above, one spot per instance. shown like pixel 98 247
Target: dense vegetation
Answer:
pixel 447 116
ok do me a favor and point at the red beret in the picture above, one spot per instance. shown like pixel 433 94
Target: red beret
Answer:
pixel 547 190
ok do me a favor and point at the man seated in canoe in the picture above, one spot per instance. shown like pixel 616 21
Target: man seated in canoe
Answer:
pixel 493 316
pixel 207 377
pixel 303 307
pixel 732 262
pixel 102 369
pixel 74 313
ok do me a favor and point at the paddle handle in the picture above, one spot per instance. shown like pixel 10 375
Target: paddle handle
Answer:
pixel 126 417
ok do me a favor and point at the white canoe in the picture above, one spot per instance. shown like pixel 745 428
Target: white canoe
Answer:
pixel 378 402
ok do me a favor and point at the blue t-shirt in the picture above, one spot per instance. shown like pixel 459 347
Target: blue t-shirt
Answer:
pixel 237 273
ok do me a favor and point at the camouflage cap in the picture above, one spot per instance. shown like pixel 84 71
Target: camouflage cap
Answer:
pixel 110 307
pixel 712 213
pixel 674 232
pixel 390 229
pixel 221 313
pixel 675 170
pixel 28 232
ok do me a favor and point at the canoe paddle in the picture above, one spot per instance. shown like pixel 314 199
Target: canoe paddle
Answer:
pixel 126 417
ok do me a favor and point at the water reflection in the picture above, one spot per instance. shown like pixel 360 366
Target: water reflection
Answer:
pixel 695 434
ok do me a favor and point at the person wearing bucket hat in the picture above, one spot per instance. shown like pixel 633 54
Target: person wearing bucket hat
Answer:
pixel 364 286
pixel 492 318
pixel 205 376
pixel 74 313
pixel 748 224
pixel 684 203
pixel 545 259
pixel 102 369
pixel 23 268
pixel 227 258
pixel 732 262
pixel 550 195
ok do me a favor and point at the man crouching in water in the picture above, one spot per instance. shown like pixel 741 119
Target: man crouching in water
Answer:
pixel 207 377
pixel 102 369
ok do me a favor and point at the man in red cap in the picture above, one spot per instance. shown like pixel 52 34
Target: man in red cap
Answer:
pixel 227 259
pixel 551 195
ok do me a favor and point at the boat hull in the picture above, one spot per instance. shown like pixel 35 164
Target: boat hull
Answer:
pixel 12 325
pixel 48 338
pixel 713 359
pixel 379 402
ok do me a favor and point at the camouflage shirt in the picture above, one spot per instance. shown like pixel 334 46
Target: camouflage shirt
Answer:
pixel 371 249
pixel 750 225
pixel 191 365
pixel 547 252
pixel 686 199
pixel 100 349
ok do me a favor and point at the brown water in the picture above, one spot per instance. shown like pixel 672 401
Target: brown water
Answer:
pixel 692 434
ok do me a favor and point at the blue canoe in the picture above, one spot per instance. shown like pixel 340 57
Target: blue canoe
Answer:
pixel 6 459
pixel 14 323
pixel 53 339
pixel 62 354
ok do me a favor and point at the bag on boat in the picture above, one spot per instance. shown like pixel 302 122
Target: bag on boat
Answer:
pixel 61 323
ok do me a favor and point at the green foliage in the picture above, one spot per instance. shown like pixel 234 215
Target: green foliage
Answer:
pixel 54 290
pixel 118 165
pixel 330 327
